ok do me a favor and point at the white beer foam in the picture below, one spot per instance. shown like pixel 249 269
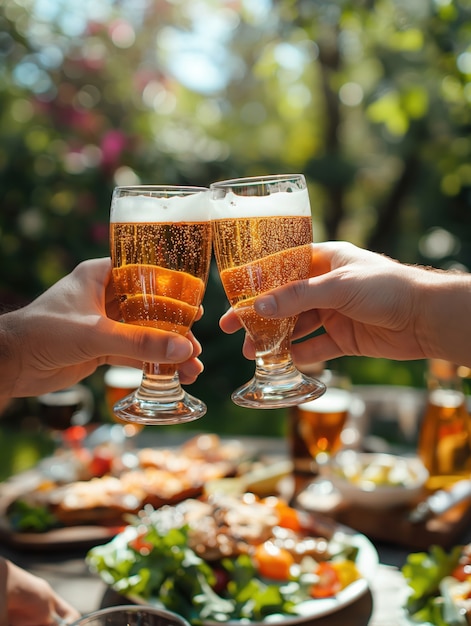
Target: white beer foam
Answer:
pixel 281 203
pixel 332 401
pixel 123 377
pixel 194 207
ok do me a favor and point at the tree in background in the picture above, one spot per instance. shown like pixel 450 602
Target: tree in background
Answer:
pixel 370 98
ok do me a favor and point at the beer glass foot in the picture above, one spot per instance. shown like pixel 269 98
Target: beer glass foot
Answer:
pixel 278 393
pixel 147 412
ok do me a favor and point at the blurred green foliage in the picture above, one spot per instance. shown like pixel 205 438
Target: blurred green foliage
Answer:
pixel 369 98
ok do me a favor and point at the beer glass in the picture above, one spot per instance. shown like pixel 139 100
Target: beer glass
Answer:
pixel 120 381
pixel 129 615
pixel 160 239
pixel 66 412
pixel 262 230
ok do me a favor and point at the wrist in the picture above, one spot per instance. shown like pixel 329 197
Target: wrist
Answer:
pixel 442 324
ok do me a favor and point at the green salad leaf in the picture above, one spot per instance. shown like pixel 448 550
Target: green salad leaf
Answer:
pixel 26 517
pixel 152 559
pixel 160 566
pixel 423 572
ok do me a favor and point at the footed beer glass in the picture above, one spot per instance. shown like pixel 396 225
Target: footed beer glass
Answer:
pixel 262 231
pixel 160 239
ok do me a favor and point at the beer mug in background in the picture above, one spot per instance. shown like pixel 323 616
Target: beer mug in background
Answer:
pixel 66 412
pixel 119 382
pixel 73 406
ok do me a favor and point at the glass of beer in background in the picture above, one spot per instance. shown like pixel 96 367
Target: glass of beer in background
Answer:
pixel 119 382
pixel 160 239
pixel 314 434
pixel 262 231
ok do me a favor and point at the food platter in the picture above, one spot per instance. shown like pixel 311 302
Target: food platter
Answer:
pixel 315 609
pixel 115 556
pixel 64 478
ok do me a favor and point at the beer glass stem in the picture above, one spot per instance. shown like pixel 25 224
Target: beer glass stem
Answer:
pixel 277 383
pixel 160 381
pixel 159 399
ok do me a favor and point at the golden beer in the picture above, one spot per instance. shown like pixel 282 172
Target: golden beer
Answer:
pixel 160 242
pixel 160 272
pixel 255 255
pixel 262 231
pixel 119 382
pixel 319 424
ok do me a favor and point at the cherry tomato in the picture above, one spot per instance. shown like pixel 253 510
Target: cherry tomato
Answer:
pixel 287 516
pixel 141 545
pixel 100 463
pixel 329 581
pixel 272 561
pixel 462 572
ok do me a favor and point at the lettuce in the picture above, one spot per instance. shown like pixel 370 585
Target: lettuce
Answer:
pixel 423 572
pixel 168 572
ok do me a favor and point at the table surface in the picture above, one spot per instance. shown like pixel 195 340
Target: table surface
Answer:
pixel 67 572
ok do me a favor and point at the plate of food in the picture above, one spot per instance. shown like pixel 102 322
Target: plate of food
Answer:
pixel 439 586
pixel 82 497
pixel 237 559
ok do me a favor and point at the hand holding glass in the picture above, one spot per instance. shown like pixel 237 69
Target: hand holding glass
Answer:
pixel 262 231
pixel 161 250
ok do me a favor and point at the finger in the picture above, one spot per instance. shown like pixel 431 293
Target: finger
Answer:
pixel 229 322
pixel 306 324
pixel 197 348
pixel 319 348
pixel 248 349
pixel 140 343
pixel 321 292
pixel 189 371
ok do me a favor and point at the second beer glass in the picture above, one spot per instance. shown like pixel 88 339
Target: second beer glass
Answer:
pixel 160 240
pixel 262 231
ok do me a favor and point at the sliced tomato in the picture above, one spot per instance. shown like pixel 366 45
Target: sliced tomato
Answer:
pixel 329 582
pixel 272 561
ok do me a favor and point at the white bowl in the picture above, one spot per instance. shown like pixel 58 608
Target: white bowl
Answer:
pixel 376 480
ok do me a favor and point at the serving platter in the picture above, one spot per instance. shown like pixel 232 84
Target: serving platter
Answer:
pixel 368 561
pixel 82 527
pixel 113 557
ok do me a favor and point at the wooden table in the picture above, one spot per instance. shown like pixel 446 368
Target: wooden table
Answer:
pixel 70 577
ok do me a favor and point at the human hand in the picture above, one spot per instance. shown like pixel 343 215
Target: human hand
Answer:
pixel 72 328
pixel 27 600
pixel 369 305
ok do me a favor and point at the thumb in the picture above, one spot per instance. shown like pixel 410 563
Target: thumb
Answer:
pixel 321 292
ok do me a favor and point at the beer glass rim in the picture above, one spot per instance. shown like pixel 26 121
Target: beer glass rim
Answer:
pixel 151 189
pixel 173 618
pixel 256 180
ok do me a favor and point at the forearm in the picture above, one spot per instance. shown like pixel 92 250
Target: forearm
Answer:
pixel 443 321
